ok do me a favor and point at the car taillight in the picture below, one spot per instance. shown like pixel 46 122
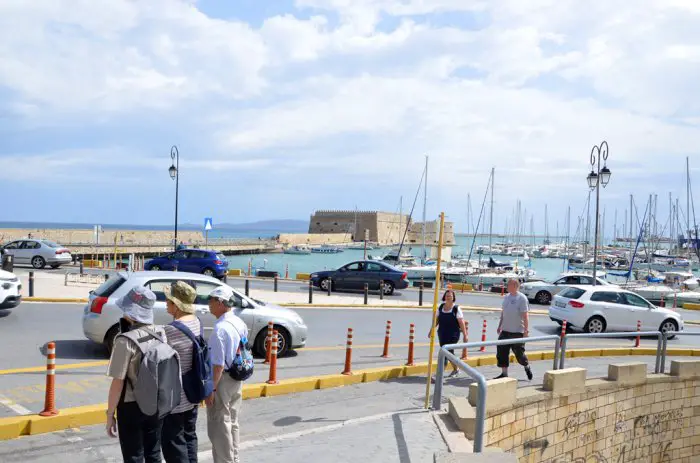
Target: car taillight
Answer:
pixel 403 277
pixel 218 262
pixel 576 304
pixel 97 304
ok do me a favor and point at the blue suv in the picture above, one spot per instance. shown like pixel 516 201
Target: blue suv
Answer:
pixel 210 263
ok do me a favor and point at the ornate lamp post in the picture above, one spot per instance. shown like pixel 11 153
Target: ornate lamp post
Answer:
pixel 597 177
pixel 174 172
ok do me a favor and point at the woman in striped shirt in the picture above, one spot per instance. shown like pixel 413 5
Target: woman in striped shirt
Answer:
pixel 179 434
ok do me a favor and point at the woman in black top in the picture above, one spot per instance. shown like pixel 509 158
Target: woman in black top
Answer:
pixel 450 323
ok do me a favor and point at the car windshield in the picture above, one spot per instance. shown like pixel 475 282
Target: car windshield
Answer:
pixel 51 244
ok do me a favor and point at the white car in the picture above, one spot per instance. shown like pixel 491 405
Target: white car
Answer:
pixel 101 315
pixel 595 309
pixel 10 290
pixel 542 292
pixel 38 253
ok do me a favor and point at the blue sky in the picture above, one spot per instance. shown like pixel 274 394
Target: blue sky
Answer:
pixel 283 107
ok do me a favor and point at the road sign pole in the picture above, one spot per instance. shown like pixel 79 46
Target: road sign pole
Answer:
pixel 206 239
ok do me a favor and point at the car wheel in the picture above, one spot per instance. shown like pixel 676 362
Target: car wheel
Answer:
pixel 38 262
pixel 669 325
pixel 208 272
pixel 110 337
pixel 595 325
pixel 388 288
pixel 323 284
pixel 284 342
pixel 155 268
pixel 543 297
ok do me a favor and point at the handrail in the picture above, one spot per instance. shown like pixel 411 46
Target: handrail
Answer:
pixel 478 377
pixel 625 334
pixel 665 342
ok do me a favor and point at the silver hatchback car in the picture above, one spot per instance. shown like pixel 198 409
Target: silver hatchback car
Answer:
pixel 101 315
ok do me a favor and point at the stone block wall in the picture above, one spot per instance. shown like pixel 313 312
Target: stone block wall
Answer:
pixel 625 419
pixel 293 239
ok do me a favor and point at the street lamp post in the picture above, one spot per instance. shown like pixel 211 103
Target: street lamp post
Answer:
pixel 175 175
pixel 597 177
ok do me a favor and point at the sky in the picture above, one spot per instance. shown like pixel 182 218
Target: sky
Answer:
pixel 280 108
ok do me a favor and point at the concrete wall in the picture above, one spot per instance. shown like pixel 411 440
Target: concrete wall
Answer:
pixel 124 237
pixel 628 417
pixel 432 233
pixel 313 238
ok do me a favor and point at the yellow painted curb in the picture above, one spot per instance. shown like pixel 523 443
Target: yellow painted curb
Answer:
pixel 77 300
pixel 234 272
pixel 691 306
pixel 16 426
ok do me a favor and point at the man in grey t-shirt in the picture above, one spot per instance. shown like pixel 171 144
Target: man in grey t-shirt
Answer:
pixel 514 324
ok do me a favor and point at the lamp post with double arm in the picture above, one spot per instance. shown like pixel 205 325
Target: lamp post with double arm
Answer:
pixel 597 177
pixel 175 175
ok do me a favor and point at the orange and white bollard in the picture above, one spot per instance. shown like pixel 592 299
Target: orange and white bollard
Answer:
pixel 286 272
pixel 483 337
pixel 639 328
pixel 273 359
pixel 348 354
pixel 563 330
pixel 50 399
pixel 411 339
pixel 268 343
pixel 465 354
pixel 387 336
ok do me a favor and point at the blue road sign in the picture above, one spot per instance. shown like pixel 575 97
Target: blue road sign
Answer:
pixel 208 224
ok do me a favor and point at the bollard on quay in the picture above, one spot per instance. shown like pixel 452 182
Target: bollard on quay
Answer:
pixel 247 287
pixel 31 284
pixel 311 292
pixel 420 292
pixel 50 396
pixel 330 285
pixel 275 283
pixel 366 293
pixel 381 290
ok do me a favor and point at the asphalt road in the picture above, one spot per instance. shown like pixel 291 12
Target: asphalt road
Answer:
pixel 81 364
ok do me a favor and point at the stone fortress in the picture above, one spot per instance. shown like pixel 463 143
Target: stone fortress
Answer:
pixel 382 227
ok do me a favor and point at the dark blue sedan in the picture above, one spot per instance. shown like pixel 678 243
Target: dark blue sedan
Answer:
pixel 210 263
pixel 354 275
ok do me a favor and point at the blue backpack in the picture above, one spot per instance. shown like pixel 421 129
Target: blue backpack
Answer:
pixel 242 366
pixel 198 383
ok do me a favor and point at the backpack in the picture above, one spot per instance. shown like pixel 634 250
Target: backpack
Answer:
pixel 198 383
pixel 158 381
pixel 242 366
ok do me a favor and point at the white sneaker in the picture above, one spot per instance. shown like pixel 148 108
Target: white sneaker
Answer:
pixel 454 374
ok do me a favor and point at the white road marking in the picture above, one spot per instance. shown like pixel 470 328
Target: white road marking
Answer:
pixel 15 407
pixel 207 456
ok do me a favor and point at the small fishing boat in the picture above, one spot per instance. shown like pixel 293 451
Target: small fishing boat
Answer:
pixel 325 249
pixel 297 250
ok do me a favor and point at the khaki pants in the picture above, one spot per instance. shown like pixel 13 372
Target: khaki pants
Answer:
pixel 222 420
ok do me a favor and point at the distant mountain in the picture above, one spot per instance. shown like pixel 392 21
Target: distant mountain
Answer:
pixel 278 226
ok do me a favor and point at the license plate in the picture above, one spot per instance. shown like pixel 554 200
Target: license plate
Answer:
pixel 560 304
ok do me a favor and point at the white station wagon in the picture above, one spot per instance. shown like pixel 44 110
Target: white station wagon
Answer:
pixel 101 315
pixel 595 309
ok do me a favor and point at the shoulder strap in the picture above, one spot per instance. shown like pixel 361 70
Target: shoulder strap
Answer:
pixel 240 338
pixel 185 330
pixel 454 310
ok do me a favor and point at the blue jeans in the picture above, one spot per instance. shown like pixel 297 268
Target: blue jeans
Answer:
pixel 179 437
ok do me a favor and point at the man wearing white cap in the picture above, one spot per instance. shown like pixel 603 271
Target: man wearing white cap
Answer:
pixel 224 405
pixel 139 434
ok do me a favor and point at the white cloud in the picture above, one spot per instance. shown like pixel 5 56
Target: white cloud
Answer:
pixel 366 88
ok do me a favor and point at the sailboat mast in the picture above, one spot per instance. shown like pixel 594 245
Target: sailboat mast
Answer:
pixel 425 204
pixel 588 228
pixel 687 209
pixel 566 245
pixel 493 179
pixel 400 218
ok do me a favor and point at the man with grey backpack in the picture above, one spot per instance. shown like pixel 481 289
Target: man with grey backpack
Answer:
pixel 231 363
pixel 146 380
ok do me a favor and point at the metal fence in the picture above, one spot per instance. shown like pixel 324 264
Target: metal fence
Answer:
pixel 628 334
pixel 662 350
pixel 478 377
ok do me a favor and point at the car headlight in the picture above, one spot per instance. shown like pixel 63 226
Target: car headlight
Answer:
pixel 314 275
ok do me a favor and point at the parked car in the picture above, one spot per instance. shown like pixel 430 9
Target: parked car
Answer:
pixel 355 274
pixel 38 253
pixel 10 290
pixel 209 263
pixel 542 292
pixel 595 309
pixel 101 314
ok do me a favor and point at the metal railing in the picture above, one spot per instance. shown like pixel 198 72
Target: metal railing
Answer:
pixel 659 347
pixel 665 342
pixel 478 377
